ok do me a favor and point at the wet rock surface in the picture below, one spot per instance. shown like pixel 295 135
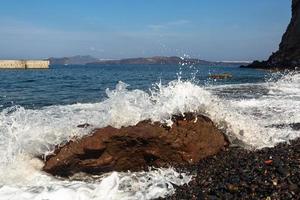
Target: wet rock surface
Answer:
pixel 190 139
pixel 270 173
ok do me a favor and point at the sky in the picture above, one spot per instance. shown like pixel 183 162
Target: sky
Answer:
pixel 206 29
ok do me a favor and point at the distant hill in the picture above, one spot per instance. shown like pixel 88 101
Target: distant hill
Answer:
pixel 74 60
pixel 162 60
pixel 156 60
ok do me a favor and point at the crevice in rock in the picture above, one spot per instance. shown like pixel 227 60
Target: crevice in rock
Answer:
pixel 150 158
pixel 91 154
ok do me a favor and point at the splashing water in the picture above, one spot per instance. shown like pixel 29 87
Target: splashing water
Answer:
pixel 135 186
pixel 27 133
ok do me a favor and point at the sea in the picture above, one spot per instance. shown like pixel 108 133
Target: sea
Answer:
pixel 40 109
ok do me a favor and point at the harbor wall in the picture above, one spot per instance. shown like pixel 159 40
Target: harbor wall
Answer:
pixel 24 64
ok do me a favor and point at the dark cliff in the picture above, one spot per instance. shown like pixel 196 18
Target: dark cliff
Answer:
pixel 288 55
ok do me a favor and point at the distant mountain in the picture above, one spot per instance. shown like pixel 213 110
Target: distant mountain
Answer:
pixel 74 60
pixel 162 60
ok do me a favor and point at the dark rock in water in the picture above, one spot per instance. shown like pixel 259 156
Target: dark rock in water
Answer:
pixel 83 125
pixel 294 126
pixel 288 55
pixel 190 139
pixel 221 76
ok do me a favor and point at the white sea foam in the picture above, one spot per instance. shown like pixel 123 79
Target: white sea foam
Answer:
pixel 252 121
pixel 114 186
pixel 274 112
pixel 27 133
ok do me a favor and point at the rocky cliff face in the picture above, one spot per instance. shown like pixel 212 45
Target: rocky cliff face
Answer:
pixel 289 48
pixel 288 55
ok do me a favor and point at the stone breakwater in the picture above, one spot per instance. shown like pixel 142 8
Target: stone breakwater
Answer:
pixel 24 64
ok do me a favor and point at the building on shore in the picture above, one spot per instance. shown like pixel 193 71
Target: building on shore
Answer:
pixel 24 64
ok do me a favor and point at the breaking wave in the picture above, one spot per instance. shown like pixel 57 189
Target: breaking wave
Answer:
pixel 28 133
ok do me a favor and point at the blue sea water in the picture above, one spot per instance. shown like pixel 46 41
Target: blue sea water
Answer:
pixel 61 85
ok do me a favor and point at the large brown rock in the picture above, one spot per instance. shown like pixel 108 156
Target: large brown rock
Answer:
pixel 134 148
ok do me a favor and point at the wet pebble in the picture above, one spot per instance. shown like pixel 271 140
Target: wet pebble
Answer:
pixel 236 173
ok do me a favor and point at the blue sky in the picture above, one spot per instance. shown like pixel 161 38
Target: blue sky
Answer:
pixel 206 29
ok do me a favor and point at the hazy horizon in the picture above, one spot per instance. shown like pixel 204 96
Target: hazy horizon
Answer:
pixel 208 30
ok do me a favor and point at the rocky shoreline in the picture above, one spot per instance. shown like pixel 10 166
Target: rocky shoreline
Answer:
pixel 236 173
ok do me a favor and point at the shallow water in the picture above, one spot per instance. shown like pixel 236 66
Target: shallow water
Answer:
pixel 39 109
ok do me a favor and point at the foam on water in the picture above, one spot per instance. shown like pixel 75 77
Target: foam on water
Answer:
pixel 114 186
pixel 27 133
pixel 275 112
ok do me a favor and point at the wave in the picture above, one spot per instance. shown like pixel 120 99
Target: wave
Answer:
pixel 134 186
pixel 28 133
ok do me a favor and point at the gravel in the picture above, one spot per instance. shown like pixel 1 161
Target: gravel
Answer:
pixel 236 173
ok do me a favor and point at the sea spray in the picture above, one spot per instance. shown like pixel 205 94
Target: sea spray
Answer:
pixel 28 133
pixel 36 132
pixel 113 186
